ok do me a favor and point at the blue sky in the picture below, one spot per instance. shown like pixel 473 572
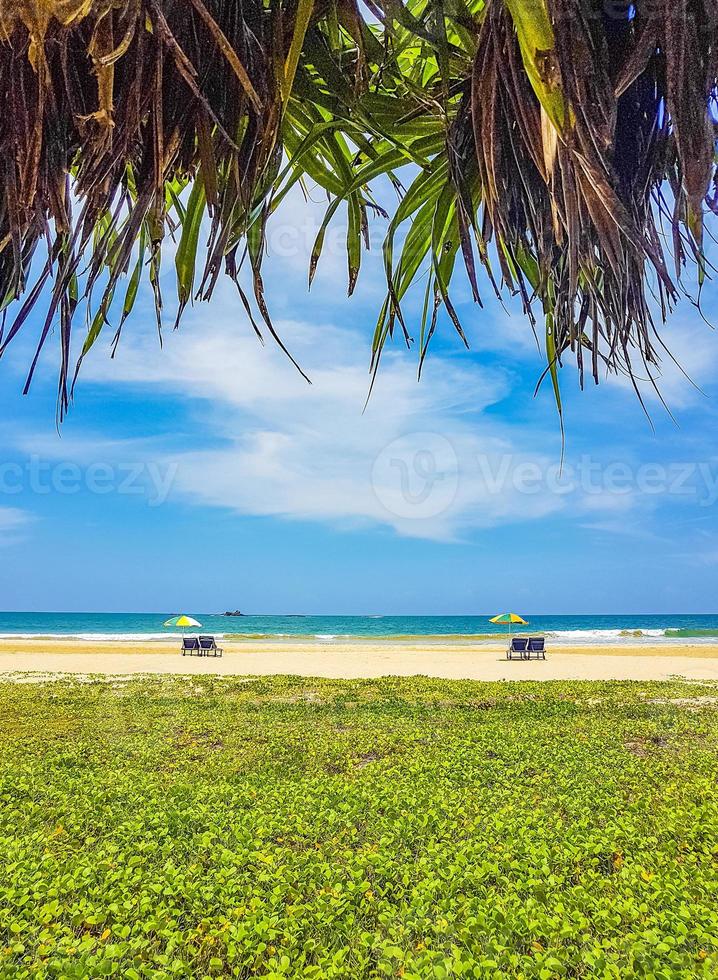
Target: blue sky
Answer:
pixel 209 475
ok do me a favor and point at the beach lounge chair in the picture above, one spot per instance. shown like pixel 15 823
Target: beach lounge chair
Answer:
pixel 517 648
pixel 190 645
pixel 537 648
pixel 208 646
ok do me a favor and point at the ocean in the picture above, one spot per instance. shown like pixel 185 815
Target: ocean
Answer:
pixel 669 629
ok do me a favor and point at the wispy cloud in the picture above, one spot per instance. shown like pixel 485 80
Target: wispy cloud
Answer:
pixel 13 522
pixel 687 365
pixel 430 460
pixel 418 460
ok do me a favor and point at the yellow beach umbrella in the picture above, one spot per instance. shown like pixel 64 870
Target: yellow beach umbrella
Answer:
pixel 182 622
pixel 509 619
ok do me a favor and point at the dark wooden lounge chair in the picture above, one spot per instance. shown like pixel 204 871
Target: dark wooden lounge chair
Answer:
pixel 208 646
pixel 517 648
pixel 536 648
pixel 190 645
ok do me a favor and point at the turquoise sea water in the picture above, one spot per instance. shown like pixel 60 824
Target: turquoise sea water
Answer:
pixel 326 629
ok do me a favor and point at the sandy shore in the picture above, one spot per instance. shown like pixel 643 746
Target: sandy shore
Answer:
pixel 365 659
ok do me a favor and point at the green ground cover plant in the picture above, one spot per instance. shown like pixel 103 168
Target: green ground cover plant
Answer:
pixel 415 828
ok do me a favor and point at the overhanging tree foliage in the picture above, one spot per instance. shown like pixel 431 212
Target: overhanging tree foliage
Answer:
pixel 567 146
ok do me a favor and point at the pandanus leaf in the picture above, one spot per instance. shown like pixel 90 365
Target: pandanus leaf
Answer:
pixel 538 51
pixel 577 148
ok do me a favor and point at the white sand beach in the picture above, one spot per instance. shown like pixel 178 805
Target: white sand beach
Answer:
pixel 366 659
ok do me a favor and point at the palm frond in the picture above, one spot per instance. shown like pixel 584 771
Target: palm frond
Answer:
pixel 568 147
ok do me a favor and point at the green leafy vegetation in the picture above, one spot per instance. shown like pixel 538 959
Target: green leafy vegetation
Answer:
pixel 565 147
pixel 417 828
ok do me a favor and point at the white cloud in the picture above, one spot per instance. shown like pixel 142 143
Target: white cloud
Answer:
pixel 609 502
pixel 621 528
pixel 687 364
pixel 419 459
pixel 12 523
pixel 430 460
